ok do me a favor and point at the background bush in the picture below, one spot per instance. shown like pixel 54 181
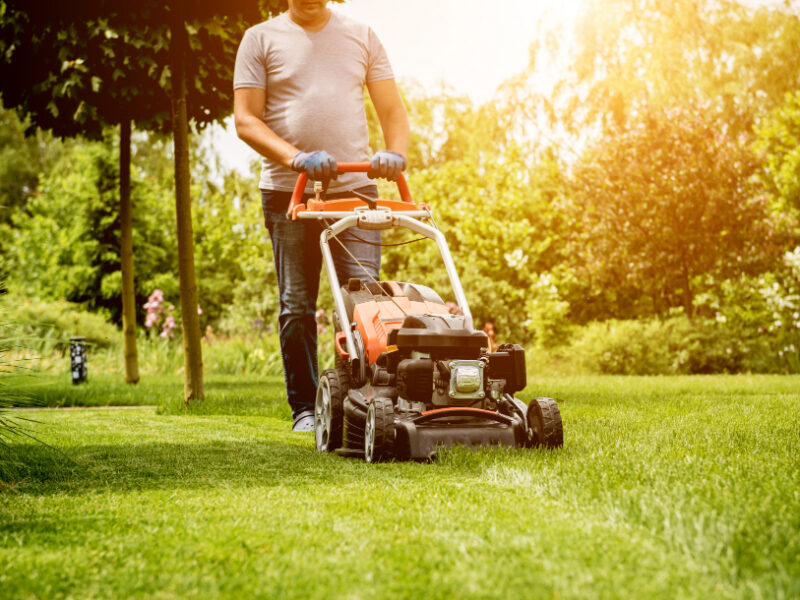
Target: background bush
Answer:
pixel 670 346
pixel 45 326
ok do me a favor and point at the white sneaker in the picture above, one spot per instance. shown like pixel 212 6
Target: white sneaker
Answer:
pixel 304 422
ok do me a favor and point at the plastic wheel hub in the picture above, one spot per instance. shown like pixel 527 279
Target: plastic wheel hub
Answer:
pixel 379 431
pixel 328 412
pixel 322 415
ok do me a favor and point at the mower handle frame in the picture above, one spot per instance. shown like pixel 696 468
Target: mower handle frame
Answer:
pixel 397 220
pixel 345 167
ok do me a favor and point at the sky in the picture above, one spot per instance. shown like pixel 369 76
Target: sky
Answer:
pixel 472 46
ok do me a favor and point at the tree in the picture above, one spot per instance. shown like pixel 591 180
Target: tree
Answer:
pixel 666 204
pixel 22 158
pixel 76 209
pixel 105 61
pixel 628 55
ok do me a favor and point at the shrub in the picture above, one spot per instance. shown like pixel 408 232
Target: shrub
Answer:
pixel 41 325
pixel 650 347
pixel 763 313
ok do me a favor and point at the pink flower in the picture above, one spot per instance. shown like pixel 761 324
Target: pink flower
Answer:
pixel 155 309
pixel 167 331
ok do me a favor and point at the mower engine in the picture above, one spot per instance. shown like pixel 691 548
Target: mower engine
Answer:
pixel 426 382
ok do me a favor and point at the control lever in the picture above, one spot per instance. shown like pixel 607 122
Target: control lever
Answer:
pixel 371 202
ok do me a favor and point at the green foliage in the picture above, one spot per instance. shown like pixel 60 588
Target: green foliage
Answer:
pixel 76 209
pixel 507 239
pixel 630 54
pixel 37 334
pixel 47 326
pixel 763 313
pixel 236 280
pixel 448 127
pixel 24 155
pixel 778 142
pixel 78 68
pixel 243 356
pixel 656 347
pixel 77 212
pixel 662 203
pixel 744 324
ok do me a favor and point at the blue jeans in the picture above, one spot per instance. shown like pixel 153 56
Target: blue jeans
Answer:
pixel 298 260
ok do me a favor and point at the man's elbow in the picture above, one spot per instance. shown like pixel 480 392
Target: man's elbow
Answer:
pixel 244 121
pixel 241 124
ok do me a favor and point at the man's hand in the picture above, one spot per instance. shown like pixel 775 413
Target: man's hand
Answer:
pixel 317 165
pixel 387 164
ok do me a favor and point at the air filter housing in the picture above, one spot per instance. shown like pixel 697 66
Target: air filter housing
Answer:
pixel 415 379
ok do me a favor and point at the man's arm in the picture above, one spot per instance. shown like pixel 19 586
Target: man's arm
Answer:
pixel 248 105
pixel 391 114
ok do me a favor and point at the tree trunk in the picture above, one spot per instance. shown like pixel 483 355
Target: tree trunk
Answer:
pixel 126 255
pixel 192 351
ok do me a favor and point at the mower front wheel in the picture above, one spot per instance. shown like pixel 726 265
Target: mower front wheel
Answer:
pixel 544 420
pixel 328 411
pixel 379 431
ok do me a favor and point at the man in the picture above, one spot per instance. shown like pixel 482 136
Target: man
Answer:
pixel 299 102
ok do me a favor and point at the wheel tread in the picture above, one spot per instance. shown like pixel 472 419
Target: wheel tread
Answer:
pixel 337 392
pixel 384 429
pixel 546 412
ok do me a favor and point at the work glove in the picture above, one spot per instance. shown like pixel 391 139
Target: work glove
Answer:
pixel 386 164
pixel 319 165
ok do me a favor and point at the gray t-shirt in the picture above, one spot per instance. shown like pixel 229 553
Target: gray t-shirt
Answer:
pixel 315 89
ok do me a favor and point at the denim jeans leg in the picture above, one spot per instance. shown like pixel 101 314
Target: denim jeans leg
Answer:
pixel 298 260
pixel 365 252
pixel 295 248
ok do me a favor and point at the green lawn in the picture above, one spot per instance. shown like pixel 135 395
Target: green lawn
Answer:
pixel 684 487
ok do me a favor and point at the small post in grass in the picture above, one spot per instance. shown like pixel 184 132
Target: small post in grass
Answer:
pixel 77 354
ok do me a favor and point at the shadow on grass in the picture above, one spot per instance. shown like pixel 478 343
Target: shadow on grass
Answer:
pixel 225 394
pixel 161 465
pixel 102 390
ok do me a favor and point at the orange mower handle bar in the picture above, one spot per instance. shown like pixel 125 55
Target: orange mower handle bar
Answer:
pixel 362 167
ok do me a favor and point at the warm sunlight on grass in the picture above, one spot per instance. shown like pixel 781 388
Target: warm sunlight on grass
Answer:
pixel 666 487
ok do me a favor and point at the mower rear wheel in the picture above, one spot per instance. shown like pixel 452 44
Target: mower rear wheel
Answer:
pixel 379 431
pixel 328 411
pixel 343 369
pixel 544 420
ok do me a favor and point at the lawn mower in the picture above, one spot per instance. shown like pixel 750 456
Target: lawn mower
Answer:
pixel 410 376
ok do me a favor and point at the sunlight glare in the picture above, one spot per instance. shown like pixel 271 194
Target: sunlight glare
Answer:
pixel 470 45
